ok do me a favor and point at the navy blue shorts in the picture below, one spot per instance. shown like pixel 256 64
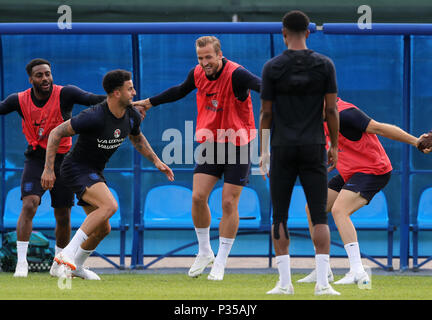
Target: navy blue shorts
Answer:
pixel 61 195
pixel 368 185
pixel 79 177
pixel 232 162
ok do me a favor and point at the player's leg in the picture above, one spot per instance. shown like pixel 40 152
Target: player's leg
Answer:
pixel 87 247
pixel 63 228
pixel 99 196
pixel 203 184
pixel 236 173
pixel 346 204
pixel 31 194
pixel 283 173
pixel 62 199
pixel 313 177
pixel 24 228
pixel 334 186
pixel 62 233
pixel 228 227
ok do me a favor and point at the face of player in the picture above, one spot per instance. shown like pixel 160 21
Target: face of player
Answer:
pixel 127 93
pixel 209 60
pixel 41 79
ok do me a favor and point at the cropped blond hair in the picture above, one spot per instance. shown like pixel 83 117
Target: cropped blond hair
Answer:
pixel 205 40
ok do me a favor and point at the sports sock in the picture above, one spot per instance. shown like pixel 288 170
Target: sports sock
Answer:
pixel 81 256
pixel 58 250
pixel 284 268
pixel 354 257
pixel 203 235
pixel 22 247
pixel 322 266
pixel 75 243
pixel 225 245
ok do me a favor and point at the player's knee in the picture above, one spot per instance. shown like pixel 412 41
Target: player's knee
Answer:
pixel 320 218
pixel 338 213
pixel 199 199
pixel 29 206
pixel 229 206
pixel 110 208
pixel 63 220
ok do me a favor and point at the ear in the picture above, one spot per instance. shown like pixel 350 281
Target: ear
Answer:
pixel 220 54
pixel 307 33
pixel 31 80
pixel 117 93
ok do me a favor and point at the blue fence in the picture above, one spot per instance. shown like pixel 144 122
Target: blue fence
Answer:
pixel 385 71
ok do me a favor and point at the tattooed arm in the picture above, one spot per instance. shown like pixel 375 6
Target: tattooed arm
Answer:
pixel 48 176
pixel 141 144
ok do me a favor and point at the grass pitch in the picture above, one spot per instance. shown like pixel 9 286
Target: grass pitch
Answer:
pixel 40 286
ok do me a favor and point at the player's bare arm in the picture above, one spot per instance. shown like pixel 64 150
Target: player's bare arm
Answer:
pixel 391 132
pixel 143 146
pixel 61 131
pixel 332 117
pixel 266 116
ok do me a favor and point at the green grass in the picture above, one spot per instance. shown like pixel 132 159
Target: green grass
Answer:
pixel 181 287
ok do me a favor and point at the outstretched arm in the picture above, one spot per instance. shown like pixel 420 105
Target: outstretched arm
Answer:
pixel 332 117
pixel 141 144
pixel 170 95
pixel 391 132
pixel 48 176
pixel 266 117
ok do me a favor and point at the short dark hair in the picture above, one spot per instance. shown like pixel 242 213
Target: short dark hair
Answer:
pixel 115 79
pixel 296 21
pixel 34 63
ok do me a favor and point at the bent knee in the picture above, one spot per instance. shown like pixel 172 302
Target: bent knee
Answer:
pixel 110 208
pixel 199 198
pixel 30 205
pixel 229 205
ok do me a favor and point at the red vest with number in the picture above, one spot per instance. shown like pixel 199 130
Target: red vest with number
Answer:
pixel 37 122
pixel 221 116
pixel 366 155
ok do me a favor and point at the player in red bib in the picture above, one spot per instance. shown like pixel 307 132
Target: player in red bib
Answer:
pixel 225 127
pixel 364 169
pixel 43 107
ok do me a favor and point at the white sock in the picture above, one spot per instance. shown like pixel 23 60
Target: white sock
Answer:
pixel 284 267
pixel 81 256
pixel 75 243
pixel 22 247
pixel 322 266
pixel 225 245
pixel 354 257
pixel 203 235
pixel 58 250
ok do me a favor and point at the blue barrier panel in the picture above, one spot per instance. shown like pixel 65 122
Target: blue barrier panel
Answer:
pixel 373 68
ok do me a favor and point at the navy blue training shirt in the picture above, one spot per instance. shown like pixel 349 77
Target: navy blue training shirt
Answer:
pixel 101 134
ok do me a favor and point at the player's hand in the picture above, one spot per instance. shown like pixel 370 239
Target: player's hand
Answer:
pixel 165 169
pixel 48 178
pixel 423 143
pixel 143 103
pixel 142 106
pixel 332 158
pixel 264 165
